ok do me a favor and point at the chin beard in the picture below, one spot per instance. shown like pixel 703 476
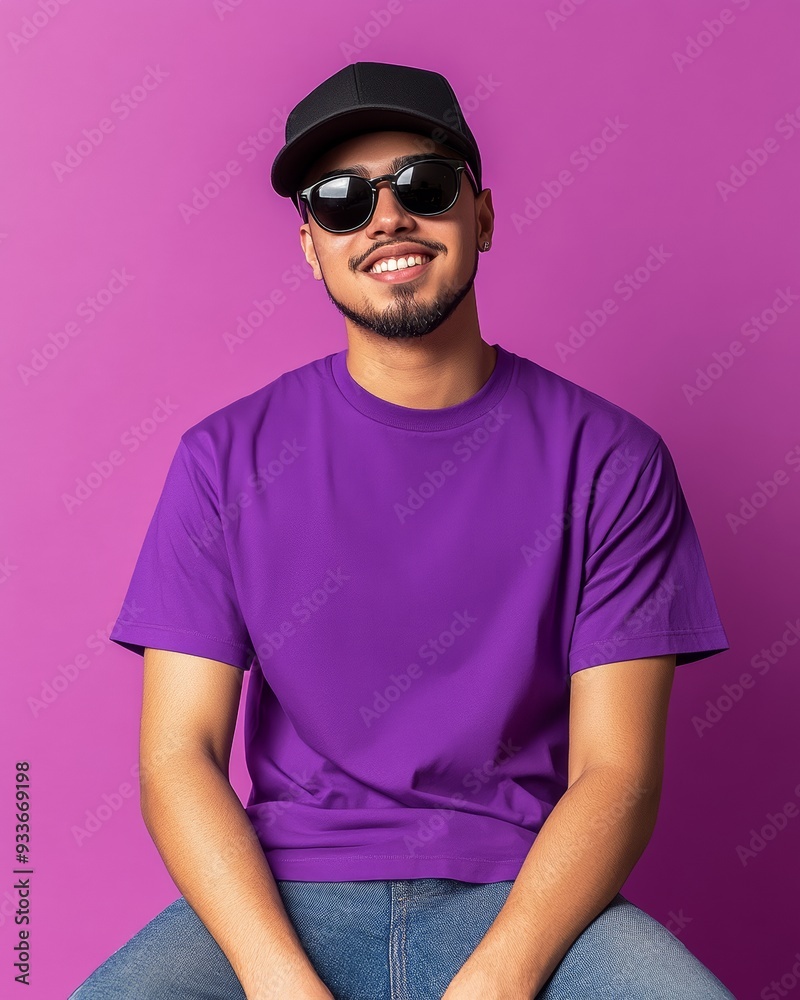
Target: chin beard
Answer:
pixel 407 317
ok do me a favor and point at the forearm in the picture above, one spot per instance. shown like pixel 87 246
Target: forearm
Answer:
pixel 211 850
pixel 579 861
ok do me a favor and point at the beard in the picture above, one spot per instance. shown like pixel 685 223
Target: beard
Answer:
pixel 407 316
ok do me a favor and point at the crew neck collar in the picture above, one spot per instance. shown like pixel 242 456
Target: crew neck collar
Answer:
pixel 413 419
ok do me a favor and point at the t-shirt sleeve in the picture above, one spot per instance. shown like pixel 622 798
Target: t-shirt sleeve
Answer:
pixel 182 595
pixel 645 588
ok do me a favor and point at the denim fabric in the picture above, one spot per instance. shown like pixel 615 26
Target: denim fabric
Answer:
pixel 403 939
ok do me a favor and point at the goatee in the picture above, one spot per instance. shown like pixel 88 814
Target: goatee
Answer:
pixel 407 316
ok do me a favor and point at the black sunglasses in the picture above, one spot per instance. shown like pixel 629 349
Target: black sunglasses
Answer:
pixel 346 202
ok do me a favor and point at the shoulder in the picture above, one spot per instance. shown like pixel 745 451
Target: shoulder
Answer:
pixel 236 425
pixel 593 429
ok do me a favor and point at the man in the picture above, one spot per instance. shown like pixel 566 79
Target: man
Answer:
pixel 461 585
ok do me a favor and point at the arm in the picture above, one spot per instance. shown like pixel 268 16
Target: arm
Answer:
pixel 201 829
pixel 591 840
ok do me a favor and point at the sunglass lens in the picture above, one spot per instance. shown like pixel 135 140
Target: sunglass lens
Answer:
pixel 428 188
pixel 342 203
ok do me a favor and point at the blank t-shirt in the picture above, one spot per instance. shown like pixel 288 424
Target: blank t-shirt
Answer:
pixel 411 591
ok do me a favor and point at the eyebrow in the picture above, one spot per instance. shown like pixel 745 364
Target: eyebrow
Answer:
pixel 397 164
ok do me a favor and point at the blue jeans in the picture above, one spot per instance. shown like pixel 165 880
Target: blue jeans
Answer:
pixel 403 939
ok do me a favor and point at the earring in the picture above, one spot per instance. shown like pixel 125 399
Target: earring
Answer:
pixel 485 246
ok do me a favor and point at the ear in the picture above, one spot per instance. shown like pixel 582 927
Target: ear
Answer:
pixel 307 244
pixel 484 216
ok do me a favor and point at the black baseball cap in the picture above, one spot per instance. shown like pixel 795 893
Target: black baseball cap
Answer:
pixel 369 97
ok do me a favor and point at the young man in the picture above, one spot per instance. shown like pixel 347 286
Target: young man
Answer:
pixel 461 584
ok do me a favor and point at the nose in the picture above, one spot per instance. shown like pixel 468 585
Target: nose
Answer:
pixel 389 215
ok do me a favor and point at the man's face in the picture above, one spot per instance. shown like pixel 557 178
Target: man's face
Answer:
pixel 426 295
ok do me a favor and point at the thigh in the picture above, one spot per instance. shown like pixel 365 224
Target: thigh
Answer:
pixel 624 952
pixel 344 929
pixel 436 925
pixel 173 956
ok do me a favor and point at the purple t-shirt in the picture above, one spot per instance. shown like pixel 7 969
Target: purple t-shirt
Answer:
pixel 411 591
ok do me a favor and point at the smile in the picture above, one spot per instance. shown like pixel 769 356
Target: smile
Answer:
pixel 393 270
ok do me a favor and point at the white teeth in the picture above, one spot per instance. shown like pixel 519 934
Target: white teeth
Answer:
pixel 399 263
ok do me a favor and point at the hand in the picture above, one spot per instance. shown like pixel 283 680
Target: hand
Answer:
pixel 309 988
pixel 320 992
pixel 474 983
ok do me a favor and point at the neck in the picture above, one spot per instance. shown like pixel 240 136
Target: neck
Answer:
pixel 441 369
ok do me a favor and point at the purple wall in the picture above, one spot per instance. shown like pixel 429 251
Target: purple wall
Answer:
pixel 665 256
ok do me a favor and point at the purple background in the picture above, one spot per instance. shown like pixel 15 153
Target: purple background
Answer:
pixel 534 89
